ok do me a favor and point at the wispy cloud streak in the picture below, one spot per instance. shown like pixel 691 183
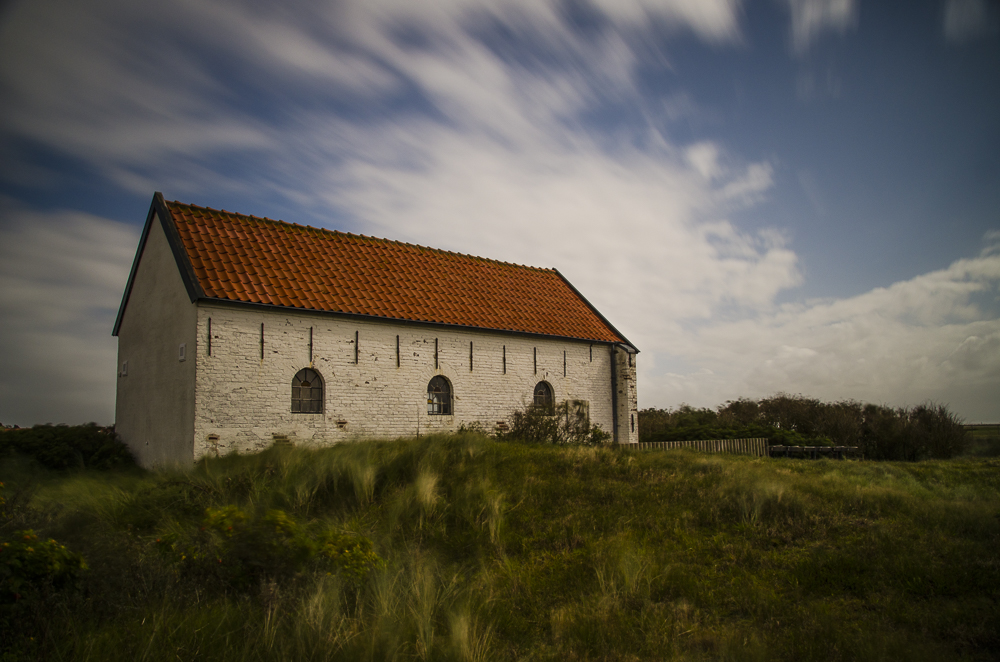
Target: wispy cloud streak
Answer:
pixel 810 18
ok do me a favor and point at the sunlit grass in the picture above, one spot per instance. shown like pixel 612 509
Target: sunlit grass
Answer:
pixel 511 551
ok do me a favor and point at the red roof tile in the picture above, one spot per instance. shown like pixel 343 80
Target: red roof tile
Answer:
pixel 258 260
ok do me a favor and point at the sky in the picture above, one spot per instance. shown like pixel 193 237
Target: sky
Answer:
pixel 763 196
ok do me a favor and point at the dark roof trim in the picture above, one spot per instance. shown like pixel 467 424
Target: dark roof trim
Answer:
pixel 135 267
pixel 400 320
pixel 158 208
pixel 625 343
pixel 184 265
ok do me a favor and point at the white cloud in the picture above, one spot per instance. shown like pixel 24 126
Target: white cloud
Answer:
pixel 965 19
pixel 751 184
pixel 810 18
pixel 916 340
pixel 627 230
pixel 992 241
pixel 704 158
pixel 502 165
pixel 61 278
pixel 714 20
pixel 509 172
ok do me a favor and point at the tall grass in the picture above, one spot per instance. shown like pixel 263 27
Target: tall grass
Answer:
pixel 511 551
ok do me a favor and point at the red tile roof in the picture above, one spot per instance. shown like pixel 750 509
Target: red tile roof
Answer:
pixel 257 260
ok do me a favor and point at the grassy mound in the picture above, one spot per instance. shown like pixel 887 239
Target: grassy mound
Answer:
pixel 462 548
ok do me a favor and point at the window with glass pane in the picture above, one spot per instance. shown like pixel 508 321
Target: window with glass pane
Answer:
pixel 543 397
pixel 439 396
pixel 307 392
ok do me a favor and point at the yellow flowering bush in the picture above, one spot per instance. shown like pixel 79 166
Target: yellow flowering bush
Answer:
pixel 31 566
pixel 353 556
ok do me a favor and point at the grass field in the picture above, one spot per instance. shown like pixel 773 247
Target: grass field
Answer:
pixel 482 550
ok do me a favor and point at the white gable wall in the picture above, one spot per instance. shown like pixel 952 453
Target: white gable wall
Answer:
pixel 242 401
pixel 155 397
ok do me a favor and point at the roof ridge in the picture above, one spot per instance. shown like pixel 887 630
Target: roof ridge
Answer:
pixel 363 236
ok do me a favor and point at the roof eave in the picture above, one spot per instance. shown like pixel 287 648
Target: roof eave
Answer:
pixel 402 320
pixel 184 265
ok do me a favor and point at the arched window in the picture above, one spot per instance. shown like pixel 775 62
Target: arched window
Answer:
pixel 439 396
pixel 543 398
pixel 307 392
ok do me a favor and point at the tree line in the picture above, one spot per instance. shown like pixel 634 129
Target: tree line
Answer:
pixel 881 432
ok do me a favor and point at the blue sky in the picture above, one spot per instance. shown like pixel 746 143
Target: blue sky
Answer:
pixel 763 195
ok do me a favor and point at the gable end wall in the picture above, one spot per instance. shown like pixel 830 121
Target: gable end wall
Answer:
pixel 154 408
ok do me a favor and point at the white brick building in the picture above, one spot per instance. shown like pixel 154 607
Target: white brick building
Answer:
pixel 236 331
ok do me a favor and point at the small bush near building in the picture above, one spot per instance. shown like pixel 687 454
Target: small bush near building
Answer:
pixel 559 424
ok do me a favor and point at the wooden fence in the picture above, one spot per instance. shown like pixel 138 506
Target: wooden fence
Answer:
pixel 756 447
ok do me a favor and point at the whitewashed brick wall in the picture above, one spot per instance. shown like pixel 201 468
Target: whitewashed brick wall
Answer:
pixel 627 397
pixel 243 401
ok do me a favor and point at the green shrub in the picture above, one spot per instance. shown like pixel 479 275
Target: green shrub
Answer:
pixel 34 572
pixel 238 551
pixel 68 447
pixel 655 423
pixel 923 432
pixel 31 567
pixel 560 424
